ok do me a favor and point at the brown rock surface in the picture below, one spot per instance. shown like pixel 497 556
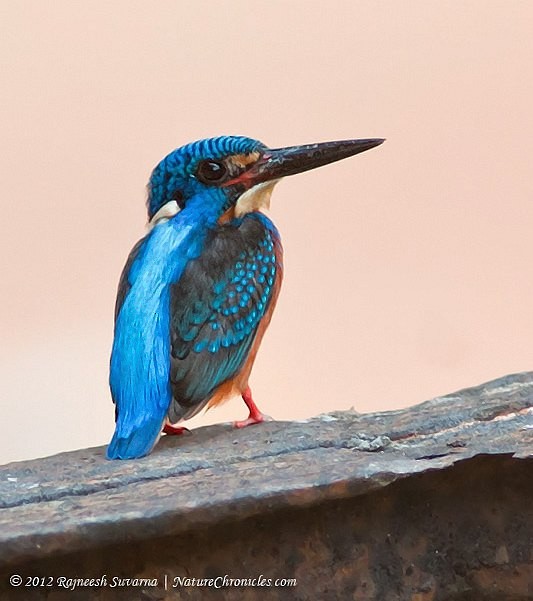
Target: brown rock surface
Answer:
pixel 429 503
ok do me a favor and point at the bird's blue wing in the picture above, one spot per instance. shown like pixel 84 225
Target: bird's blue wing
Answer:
pixel 216 308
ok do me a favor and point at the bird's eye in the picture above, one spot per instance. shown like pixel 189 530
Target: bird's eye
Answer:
pixel 211 172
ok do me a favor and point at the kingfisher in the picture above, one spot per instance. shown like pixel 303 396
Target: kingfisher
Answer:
pixel 197 292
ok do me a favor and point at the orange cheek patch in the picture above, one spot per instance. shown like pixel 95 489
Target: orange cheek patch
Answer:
pixel 227 216
pixel 243 160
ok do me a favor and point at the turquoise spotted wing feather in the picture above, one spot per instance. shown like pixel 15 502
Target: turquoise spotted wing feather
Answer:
pixel 216 309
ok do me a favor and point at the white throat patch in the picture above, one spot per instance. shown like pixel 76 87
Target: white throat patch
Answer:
pixel 255 198
pixel 166 212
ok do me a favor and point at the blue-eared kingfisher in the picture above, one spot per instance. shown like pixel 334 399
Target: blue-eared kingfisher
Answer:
pixel 198 291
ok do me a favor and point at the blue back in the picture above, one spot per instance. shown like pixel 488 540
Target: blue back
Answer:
pixel 139 370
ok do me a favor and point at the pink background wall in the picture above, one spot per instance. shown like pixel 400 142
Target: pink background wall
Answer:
pixel 408 268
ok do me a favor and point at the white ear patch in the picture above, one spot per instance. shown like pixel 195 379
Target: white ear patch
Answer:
pixel 255 198
pixel 166 212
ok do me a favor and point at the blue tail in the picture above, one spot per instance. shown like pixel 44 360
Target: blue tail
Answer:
pixel 137 441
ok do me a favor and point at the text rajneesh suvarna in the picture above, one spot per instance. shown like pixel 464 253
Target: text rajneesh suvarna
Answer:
pixel 165 582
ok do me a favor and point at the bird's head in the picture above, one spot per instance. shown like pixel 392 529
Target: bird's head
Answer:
pixel 233 174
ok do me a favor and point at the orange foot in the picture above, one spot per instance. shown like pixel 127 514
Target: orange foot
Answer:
pixel 255 417
pixel 174 430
